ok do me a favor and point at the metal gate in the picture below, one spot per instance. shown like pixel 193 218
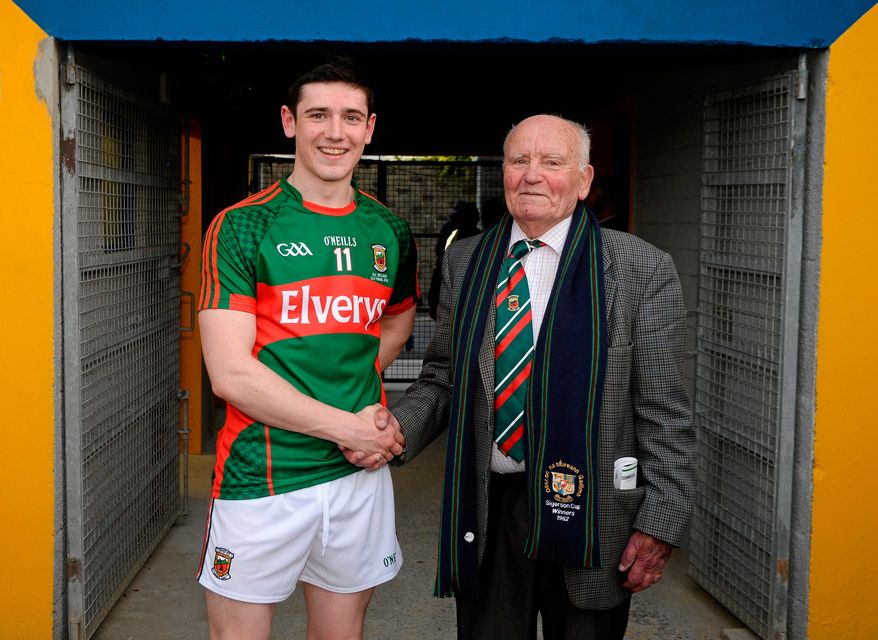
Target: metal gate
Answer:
pixel 422 192
pixel 120 238
pixel 749 281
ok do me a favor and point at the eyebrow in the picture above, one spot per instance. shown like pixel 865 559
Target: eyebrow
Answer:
pixel 359 112
pixel 545 156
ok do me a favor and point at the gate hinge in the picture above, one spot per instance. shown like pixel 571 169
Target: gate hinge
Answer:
pixel 182 259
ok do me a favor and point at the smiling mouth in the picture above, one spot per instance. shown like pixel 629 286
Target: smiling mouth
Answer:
pixel 332 152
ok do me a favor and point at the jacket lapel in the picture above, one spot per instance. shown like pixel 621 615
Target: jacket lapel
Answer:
pixel 486 358
pixel 610 281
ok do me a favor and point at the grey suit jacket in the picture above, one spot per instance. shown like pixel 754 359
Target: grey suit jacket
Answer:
pixel 645 410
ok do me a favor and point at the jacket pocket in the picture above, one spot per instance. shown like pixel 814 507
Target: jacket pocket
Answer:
pixel 629 500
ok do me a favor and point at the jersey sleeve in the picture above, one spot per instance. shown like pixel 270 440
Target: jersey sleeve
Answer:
pixel 405 288
pixel 227 273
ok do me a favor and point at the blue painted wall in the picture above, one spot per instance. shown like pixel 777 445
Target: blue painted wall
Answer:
pixel 803 23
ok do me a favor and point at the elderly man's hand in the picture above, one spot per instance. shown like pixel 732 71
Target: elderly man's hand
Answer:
pixel 644 559
pixel 383 420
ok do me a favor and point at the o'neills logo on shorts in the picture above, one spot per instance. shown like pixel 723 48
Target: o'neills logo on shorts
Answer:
pixel 298 306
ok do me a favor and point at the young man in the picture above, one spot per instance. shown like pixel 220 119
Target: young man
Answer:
pixel 309 291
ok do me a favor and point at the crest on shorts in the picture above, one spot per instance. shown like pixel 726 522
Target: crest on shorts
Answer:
pixel 222 563
pixel 379 255
pixel 512 303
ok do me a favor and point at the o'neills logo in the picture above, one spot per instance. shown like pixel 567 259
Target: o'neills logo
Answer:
pixel 300 307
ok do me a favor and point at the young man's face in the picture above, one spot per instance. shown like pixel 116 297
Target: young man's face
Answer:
pixel 331 126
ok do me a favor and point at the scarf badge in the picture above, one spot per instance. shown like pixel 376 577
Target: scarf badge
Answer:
pixel 565 483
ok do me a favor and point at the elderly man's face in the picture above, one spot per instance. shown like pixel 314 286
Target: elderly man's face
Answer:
pixel 541 175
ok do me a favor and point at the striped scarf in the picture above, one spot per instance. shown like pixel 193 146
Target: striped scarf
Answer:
pixel 562 412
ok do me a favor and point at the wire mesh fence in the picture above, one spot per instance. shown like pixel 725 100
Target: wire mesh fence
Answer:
pixel 122 375
pixel 741 324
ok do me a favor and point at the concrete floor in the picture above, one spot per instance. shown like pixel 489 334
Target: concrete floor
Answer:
pixel 165 602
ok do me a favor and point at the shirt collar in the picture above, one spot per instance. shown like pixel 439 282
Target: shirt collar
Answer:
pixel 554 237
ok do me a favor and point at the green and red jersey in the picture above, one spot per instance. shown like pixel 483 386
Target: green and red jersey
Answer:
pixel 318 281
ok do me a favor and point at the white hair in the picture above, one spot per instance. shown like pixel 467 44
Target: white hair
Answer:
pixel 581 133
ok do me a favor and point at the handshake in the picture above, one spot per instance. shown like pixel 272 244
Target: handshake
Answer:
pixel 375 439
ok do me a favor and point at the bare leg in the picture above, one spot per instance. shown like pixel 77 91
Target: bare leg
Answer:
pixel 335 616
pixel 235 620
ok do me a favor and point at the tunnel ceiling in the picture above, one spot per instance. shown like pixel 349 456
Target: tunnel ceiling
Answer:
pixel 792 23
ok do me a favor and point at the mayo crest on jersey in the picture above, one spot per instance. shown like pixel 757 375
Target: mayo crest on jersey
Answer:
pixel 318 288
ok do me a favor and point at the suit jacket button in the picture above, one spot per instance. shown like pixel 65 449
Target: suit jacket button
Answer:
pixel 468 536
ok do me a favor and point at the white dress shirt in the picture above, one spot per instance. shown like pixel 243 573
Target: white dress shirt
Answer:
pixel 540 266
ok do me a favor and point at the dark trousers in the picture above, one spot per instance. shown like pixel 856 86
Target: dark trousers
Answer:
pixel 513 589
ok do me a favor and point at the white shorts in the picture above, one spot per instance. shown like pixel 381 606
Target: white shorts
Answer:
pixel 339 535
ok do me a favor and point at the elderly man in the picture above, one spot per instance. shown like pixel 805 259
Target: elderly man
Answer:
pixel 556 354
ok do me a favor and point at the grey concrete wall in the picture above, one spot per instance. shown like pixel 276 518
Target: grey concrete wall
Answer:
pixel 46 79
pixel 667 193
pixel 803 461
pixel 667 166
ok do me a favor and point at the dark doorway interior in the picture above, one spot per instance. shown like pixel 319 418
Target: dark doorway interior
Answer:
pixel 433 98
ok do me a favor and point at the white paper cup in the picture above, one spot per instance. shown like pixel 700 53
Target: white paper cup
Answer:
pixel 625 473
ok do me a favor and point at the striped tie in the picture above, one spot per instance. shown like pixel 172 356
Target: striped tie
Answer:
pixel 513 351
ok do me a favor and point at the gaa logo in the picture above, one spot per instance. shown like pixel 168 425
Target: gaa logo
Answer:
pixel 288 249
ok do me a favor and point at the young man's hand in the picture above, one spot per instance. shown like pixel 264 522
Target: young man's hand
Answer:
pixel 384 423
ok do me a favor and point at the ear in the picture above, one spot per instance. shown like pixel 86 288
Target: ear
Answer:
pixel 288 120
pixel 370 128
pixel 585 184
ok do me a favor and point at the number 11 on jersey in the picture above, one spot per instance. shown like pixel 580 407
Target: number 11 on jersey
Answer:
pixel 339 252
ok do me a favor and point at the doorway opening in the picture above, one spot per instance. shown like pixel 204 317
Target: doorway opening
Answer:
pixel 449 106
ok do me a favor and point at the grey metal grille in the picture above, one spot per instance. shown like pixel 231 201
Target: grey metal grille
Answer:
pixel 421 192
pixel 121 359
pixel 745 322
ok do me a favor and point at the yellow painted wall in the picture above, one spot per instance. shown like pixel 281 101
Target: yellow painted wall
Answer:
pixel 843 602
pixel 27 183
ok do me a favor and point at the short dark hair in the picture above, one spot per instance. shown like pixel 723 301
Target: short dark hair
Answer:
pixel 335 69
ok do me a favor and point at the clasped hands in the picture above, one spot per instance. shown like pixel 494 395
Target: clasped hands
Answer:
pixel 377 440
